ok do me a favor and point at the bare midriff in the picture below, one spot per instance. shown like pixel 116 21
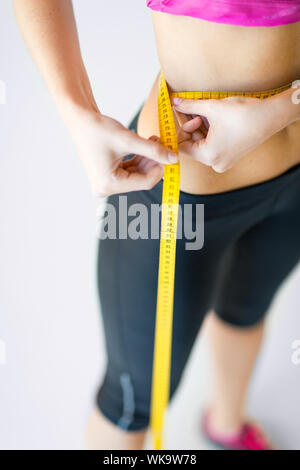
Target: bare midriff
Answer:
pixel 196 55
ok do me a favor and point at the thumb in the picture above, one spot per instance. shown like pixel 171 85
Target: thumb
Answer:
pixel 151 148
pixel 200 107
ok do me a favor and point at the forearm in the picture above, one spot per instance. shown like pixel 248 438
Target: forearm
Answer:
pixel 49 30
pixel 283 109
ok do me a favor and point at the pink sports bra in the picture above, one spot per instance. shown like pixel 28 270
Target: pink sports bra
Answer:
pixel 237 12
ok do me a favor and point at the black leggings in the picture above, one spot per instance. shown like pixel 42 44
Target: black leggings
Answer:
pixel 251 244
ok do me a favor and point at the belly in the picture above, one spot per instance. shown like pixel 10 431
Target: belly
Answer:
pixel 196 55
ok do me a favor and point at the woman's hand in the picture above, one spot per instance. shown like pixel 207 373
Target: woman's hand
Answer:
pixel 230 128
pixel 103 142
pixel 49 29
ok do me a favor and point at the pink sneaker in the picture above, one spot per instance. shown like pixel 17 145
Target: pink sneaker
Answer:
pixel 250 437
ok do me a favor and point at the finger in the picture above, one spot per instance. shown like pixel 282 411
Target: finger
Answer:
pixel 133 161
pixel 196 124
pixel 204 126
pixel 182 136
pixel 192 124
pixel 196 150
pixel 151 149
pixel 155 138
pixel 198 135
pixel 145 164
pixel 180 120
pixel 177 120
pixel 138 163
pixel 201 107
pixel 126 181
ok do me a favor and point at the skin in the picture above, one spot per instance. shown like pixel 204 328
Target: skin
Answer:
pixel 231 371
pixel 248 141
pixel 49 30
pixel 101 434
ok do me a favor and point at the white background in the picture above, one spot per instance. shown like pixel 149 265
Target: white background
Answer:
pixel 49 316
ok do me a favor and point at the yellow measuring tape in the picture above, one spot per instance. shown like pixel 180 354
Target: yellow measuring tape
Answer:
pixel 167 255
pixel 166 270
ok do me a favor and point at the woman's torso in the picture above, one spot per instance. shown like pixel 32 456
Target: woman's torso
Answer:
pixel 197 55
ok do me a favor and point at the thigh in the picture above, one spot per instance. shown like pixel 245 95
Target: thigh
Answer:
pixel 259 262
pixel 127 281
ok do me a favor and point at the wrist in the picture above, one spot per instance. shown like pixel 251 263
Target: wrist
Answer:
pixel 284 109
pixel 70 103
pixel 76 112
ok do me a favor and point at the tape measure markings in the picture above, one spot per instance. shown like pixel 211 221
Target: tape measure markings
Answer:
pixel 167 253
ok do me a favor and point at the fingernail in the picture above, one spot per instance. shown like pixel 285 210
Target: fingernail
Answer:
pixel 176 100
pixel 172 157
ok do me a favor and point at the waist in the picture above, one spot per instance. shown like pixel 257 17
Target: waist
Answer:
pixel 199 55
pixel 272 158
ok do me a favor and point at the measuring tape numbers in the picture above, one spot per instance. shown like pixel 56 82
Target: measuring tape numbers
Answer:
pixel 167 254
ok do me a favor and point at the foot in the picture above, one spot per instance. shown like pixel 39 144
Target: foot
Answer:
pixel 248 437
